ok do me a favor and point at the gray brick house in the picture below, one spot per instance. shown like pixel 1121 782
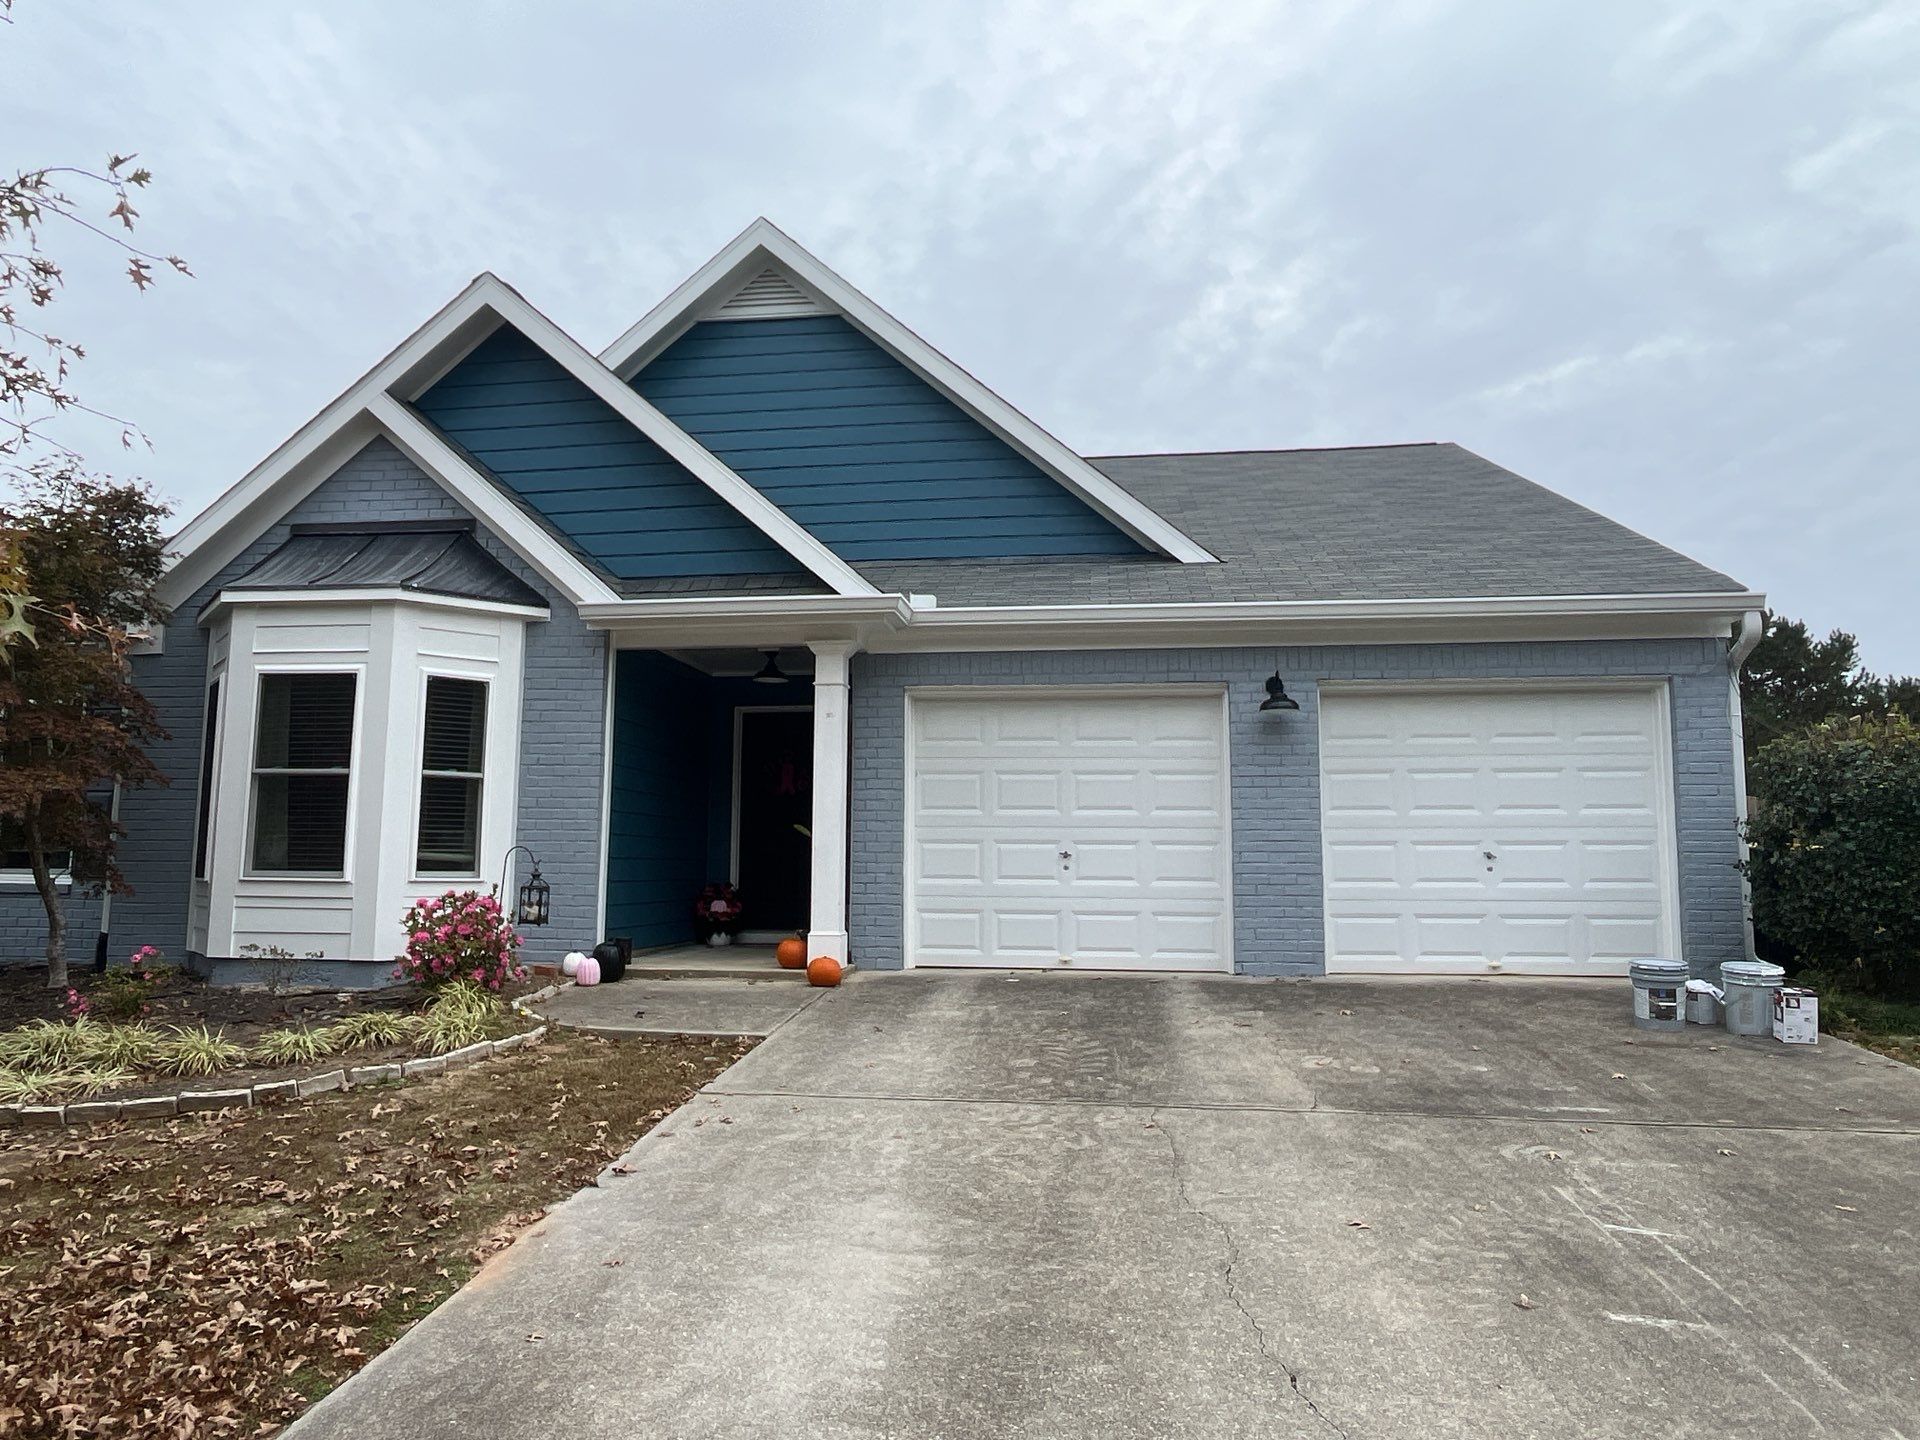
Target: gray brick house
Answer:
pixel 771 592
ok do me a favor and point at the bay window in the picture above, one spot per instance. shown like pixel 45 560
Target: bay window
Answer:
pixel 451 775
pixel 302 769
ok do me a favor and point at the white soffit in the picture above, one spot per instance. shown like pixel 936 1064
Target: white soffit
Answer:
pixel 762 245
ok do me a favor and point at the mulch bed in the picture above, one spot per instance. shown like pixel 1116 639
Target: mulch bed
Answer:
pixel 215 1274
pixel 244 1015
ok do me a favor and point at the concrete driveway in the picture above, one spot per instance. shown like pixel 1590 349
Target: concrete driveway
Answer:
pixel 972 1205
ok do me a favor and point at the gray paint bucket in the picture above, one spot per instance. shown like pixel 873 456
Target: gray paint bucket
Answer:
pixel 1750 987
pixel 1660 994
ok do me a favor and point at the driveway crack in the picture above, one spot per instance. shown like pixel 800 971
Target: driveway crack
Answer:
pixel 1229 1283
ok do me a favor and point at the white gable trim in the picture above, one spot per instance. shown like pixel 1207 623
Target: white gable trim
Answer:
pixel 762 243
pixel 372 407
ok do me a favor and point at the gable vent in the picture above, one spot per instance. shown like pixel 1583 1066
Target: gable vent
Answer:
pixel 768 296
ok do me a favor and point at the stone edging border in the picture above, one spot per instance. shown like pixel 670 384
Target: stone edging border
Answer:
pixel 268 1092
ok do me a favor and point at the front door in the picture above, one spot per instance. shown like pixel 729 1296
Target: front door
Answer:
pixel 773 787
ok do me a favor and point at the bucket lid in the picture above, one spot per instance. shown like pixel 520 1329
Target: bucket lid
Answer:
pixel 1662 970
pixel 1751 972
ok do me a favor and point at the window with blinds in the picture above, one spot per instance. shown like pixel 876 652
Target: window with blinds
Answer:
pixel 13 852
pixel 450 777
pixel 302 763
pixel 203 824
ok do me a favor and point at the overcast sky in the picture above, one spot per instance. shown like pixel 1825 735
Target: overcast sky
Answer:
pixel 1661 257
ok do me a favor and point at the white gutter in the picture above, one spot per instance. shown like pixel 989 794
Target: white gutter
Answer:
pixel 1691 603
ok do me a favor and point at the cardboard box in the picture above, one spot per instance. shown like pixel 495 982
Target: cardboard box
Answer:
pixel 1796 1016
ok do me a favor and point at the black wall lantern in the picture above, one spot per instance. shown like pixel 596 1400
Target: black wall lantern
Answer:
pixel 535 906
pixel 1277 697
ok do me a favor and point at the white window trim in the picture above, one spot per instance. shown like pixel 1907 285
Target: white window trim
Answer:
pixel 415 875
pixel 206 809
pixel 355 767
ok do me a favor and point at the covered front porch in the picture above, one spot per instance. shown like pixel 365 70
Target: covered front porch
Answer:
pixel 727 765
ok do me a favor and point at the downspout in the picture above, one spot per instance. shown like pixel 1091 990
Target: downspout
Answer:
pixel 1752 627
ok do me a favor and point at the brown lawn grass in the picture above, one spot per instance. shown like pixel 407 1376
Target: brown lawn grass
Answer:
pixel 214 1275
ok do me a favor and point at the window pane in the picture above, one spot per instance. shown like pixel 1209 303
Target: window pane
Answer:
pixel 449 825
pixel 456 727
pixel 13 854
pixel 300 823
pixel 206 782
pixel 306 722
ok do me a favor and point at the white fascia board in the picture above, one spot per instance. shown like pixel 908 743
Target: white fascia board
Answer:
pixel 259 498
pixel 527 538
pixel 1432 621
pixel 763 241
pixel 756 620
pixel 372 595
pixel 705 466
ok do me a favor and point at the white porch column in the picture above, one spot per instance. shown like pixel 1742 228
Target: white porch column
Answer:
pixel 827 930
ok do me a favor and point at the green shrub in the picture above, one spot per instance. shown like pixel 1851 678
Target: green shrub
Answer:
pixel 1835 864
pixel 198 1051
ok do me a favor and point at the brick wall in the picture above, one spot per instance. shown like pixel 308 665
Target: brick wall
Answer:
pixel 563 720
pixel 1278 919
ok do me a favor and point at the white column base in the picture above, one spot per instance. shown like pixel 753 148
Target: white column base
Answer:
pixel 831 943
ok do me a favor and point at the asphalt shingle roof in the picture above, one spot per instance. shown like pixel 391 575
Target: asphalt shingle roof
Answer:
pixel 1366 523
pixel 431 560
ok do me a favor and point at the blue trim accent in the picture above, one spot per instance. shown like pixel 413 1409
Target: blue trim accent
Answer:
pixel 873 461
pixel 617 497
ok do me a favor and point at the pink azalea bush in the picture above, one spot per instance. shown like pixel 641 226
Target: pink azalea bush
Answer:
pixel 461 935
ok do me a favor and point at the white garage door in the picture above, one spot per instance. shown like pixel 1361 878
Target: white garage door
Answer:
pixel 1520 831
pixel 1088 830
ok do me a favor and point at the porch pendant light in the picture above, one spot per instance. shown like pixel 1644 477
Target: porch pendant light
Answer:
pixel 771 673
pixel 1277 697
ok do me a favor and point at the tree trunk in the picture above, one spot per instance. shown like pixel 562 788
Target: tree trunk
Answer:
pixel 50 901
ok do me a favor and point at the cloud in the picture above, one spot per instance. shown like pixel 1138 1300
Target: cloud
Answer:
pixel 1650 254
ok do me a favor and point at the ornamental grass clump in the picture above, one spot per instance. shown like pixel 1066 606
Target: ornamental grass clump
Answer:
pixel 443 1030
pixel 371 1029
pixel 198 1051
pixel 47 1044
pixel 297 1044
pixel 461 935
pixel 125 1047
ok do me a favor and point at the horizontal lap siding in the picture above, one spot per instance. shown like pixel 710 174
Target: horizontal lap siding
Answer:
pixel 1278 901
pixel 619 498
pixel 867 456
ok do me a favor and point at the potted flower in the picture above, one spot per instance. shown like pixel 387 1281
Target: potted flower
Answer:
pixel 717 913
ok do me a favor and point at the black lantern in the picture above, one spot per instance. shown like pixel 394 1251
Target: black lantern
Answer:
pixel 771 673
pixel 533 899
pixel 1277 697
pixel 535 896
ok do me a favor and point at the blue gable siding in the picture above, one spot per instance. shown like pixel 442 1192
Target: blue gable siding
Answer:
pixel 872 460
pixel 618 497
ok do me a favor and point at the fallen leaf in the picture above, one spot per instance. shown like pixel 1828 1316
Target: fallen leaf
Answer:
pixel 1523 1303
pixel 1617 1076
pixel 1724 1151
pixel 1359 1225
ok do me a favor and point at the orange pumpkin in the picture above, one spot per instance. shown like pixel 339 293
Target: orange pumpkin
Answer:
pixel 823 970
pixel 791 953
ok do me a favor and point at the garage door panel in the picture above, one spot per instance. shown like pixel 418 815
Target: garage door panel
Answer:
pixel 1130 787
pixel 1562 789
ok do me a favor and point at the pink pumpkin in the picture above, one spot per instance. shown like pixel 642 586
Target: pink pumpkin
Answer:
pixel 587 972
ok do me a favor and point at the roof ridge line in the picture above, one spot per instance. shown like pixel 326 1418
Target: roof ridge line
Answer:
pixel 1273 450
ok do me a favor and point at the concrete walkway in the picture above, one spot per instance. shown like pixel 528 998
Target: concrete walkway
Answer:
pixel 1065 1206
